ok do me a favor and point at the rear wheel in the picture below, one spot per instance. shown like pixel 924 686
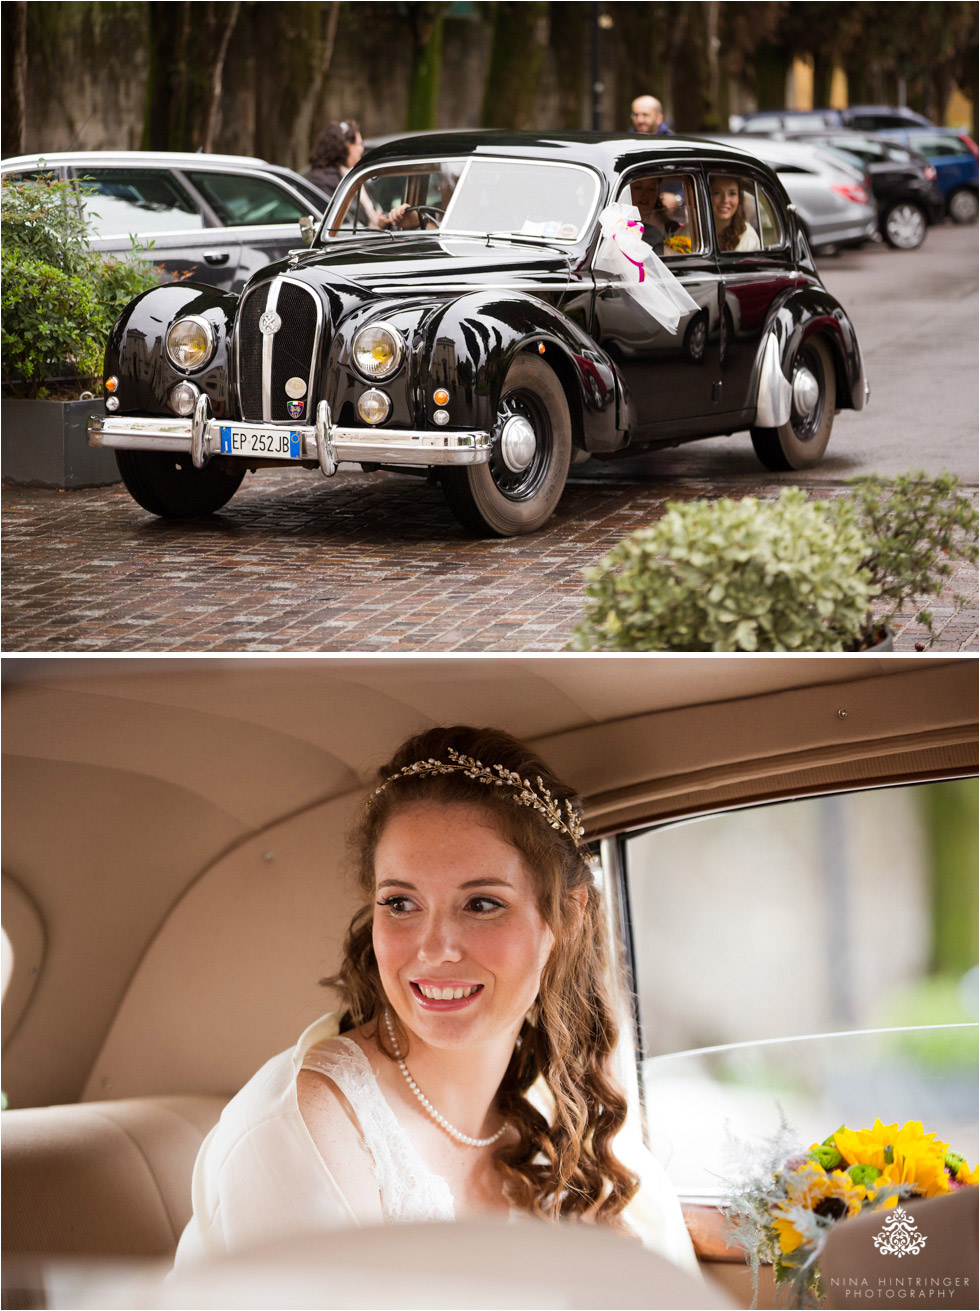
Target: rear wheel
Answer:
pixel 801 441
pixel 518 489
pixel 904 225
pixel 167 483
pixel 962 206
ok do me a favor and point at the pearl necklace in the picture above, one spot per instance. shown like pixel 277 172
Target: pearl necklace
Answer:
pixel 440 1120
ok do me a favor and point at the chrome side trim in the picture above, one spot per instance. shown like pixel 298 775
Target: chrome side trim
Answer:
pixel 775 398
pixel 268 346
pixel 338 445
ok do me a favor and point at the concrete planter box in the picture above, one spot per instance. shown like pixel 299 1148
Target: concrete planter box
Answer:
pixel 45 444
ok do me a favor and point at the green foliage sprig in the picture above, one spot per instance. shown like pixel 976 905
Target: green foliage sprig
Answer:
pixel 918 527
pixel 59 299
pixel 729 575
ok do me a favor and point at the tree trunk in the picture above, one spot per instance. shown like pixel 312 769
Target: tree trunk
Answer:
pixel 423 94
pixel 14 77
pixel 571 30
pixel 520 35
pixel 690 74
pixel 823 76
pixel 771 64
pixel 217 71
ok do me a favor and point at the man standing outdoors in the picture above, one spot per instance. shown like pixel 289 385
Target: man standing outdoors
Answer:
pixel 648 117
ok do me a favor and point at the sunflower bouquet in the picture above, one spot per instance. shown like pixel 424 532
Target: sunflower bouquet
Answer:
pixel 783 1214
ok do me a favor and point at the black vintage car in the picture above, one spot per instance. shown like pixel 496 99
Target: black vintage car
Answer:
pixel 456 311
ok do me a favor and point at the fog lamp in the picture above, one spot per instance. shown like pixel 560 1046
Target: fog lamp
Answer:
pixel 190 342
pixel 374 406
pixel 441 417
pixel 183 398
pixel 112 403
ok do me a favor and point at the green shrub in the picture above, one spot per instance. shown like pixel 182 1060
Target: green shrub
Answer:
pixel 727 575
pixel 58 300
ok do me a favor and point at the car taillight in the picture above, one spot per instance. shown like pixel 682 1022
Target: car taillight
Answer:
pixel 851 191
pixel 968 141
pixel 930 173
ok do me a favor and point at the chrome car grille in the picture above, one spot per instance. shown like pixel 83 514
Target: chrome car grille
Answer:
pixel 267 362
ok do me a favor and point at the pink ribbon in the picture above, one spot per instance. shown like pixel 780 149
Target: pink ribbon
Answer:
pixel 632 223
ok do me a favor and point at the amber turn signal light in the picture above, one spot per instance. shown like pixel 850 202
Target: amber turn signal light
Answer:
pixel 441 397
pixel 111 384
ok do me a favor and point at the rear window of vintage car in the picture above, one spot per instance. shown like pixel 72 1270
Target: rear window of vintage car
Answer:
pixel 530 198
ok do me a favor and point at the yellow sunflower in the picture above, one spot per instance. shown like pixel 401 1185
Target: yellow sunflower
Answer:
pixel 833 1194
pixel 964 1175
pixel 904 1156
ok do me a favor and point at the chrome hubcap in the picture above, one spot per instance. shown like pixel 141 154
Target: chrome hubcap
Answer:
pixel 517 444
pixel 906 225
pixel 806 391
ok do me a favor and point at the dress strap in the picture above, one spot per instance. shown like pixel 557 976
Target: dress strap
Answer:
pixel 409 1190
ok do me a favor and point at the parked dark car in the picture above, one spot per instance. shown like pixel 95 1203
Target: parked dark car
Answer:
pixel 479 340
pixel 954 157
pixel 215 218
pixel 904 183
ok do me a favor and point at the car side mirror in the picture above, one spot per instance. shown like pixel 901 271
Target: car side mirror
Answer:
pixel 307 229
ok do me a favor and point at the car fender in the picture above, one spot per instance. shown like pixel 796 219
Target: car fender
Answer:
pixel 136 351
pixel 472 341
pixel 796 315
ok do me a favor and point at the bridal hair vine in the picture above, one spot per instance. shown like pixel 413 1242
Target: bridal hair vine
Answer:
pixel 560 815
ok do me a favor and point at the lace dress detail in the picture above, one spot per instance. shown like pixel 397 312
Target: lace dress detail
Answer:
pixel 409 1190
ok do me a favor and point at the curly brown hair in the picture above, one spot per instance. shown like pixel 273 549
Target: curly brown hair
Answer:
pixel 333 143
pixel 562 1167
pixel 730 235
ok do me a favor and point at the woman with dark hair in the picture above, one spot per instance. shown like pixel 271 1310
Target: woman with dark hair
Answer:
pixel 731 219
pixel 337 150
pixel 470 1067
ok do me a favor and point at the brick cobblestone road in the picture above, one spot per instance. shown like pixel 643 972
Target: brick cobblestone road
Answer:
pixel 363 563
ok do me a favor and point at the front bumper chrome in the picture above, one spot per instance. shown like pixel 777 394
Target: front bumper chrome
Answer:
pixel 200 437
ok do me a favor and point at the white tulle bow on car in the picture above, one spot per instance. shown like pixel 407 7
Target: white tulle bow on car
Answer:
pixel 623 252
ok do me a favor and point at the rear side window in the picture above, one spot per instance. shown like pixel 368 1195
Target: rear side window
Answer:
pixel 136 200
pixel 243 201
pixel 735 213
pixel 940 146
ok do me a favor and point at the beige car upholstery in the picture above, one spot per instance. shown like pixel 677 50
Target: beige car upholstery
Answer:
pixel 107 1179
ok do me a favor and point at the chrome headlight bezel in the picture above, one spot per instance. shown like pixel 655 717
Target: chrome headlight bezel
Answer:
pixel 209 332
pixel 397 346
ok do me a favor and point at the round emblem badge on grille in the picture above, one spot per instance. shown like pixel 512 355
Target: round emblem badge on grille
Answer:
pixel 269 323
pixel 296 387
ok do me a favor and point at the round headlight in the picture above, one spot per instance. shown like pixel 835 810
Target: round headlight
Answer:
pixel 373 406
pixel 377 350
pixel 190 342
pixel 183 398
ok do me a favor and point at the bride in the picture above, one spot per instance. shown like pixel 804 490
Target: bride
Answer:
pixel 469 1069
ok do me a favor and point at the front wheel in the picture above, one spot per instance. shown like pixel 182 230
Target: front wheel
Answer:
pixel 801 441
pixel 167 483
pixel 904 226
pixel 518 489
pixel 962 206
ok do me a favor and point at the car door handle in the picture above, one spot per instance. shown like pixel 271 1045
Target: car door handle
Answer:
pixel 216 257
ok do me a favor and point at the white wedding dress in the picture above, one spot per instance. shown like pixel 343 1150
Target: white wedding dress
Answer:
pixel 259 1177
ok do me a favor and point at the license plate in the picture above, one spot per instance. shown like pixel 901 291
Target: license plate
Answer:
pixel 284 445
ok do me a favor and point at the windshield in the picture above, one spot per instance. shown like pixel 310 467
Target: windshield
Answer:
pixel 507 197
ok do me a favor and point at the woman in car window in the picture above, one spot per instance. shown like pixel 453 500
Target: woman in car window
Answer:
pixel 731 220
pixel 469 1069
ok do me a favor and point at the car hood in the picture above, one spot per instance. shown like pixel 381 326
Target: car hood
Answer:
pixel 419 263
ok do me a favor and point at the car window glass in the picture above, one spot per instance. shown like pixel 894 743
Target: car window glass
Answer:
pixel 764 981
pixel 769 223
pixel 136 200
pixel 668 210
pixel 940 146
pixel 762 123
pixel 243 201
pixel 735 213
pixel 32 175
